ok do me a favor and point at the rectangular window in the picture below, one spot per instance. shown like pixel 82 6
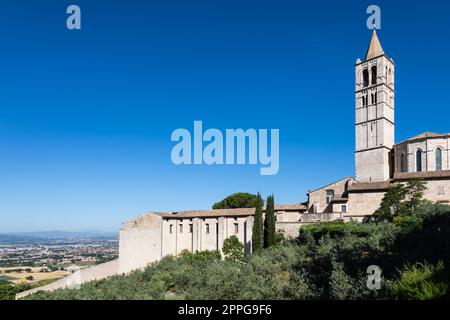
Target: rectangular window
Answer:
pixel 181 228
pixel 330 195
pixel 207 228
pixel 344 209
pixel 171 228
pixel 236 228
pixel 191 227
pixel 441 190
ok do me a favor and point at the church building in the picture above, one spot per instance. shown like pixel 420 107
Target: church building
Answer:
pixel 379 164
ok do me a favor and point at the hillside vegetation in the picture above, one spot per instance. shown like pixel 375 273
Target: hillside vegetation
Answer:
pixel 326 261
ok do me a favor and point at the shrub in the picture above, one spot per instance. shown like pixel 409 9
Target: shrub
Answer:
pixel 421 282
pixel 233 249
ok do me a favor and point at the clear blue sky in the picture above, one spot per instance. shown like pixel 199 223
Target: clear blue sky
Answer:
pixel 86 116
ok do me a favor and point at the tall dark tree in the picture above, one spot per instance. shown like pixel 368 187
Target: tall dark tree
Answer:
pixel 258 227
pixel 269 223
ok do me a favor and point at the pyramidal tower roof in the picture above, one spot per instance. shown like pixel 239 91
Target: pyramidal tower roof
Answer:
pixel 375 49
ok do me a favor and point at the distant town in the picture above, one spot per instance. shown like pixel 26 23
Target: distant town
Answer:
pixel 46 256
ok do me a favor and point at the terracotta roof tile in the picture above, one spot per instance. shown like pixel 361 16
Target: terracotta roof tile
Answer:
pixel 422 175
pixel 426 135
pixel 228 212
pixel 369 186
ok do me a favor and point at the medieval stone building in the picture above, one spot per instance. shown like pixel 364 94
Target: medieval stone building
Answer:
pixel 379 163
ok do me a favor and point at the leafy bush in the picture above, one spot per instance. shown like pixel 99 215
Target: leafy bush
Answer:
pixel 422 282
pixel 233 249
pixel 8 291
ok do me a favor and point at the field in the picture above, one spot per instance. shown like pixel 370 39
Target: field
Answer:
pixel 21 277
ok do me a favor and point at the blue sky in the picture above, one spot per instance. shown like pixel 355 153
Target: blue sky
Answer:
pixel 86 116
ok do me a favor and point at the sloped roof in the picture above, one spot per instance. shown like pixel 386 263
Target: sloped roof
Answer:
pixel 228 212
pixel 427 135
pixel 340 198
pixel 422 175
pixel 326 186
pixel 369 186
pixel 375 49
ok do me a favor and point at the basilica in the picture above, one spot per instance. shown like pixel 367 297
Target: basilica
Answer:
pixel 379 161
pixel 379 164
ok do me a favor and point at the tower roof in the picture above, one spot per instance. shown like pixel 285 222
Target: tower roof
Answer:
pixel 375 49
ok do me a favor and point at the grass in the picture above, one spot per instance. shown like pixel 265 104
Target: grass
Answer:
pixel 7 278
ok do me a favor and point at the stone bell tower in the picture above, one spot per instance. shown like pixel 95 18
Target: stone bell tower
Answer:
pixel 374 123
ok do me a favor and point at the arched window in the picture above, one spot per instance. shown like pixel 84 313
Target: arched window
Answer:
pixel 374 75
pixel 365 77
pixel 403 166
pixel 419 160
pixel 438 159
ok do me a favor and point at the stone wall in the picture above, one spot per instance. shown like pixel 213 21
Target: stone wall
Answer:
pixel 363 203
pixel 97 272
pixel 140 242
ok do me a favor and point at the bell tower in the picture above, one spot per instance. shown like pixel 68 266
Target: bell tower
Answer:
pixel 374 121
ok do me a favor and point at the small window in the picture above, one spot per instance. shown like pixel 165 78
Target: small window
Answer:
pixel 236 228
pixel 181 228
pixel 419 160
pixel 330 195
pixel 438 159
pixel 343 208
pixel 365 77
pixel 191 228
pixel 171 228
pixel 207 228
pixel 441 190
pixel 374 75
pixel 403 166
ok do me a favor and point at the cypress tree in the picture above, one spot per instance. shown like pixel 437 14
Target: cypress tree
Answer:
pixel 258 227
pixel 269 223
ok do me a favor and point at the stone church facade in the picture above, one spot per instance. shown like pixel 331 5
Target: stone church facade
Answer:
pixel 379 163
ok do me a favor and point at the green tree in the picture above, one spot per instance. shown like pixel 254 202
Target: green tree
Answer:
pixel 391 204
pixel 401 200
pixel 233 249
pixel 414 194
pixel 258 227
pixel 237 200
pixel 421 282
pixel 269 223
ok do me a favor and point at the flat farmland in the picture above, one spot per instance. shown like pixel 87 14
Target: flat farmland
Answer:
pixel 20 277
